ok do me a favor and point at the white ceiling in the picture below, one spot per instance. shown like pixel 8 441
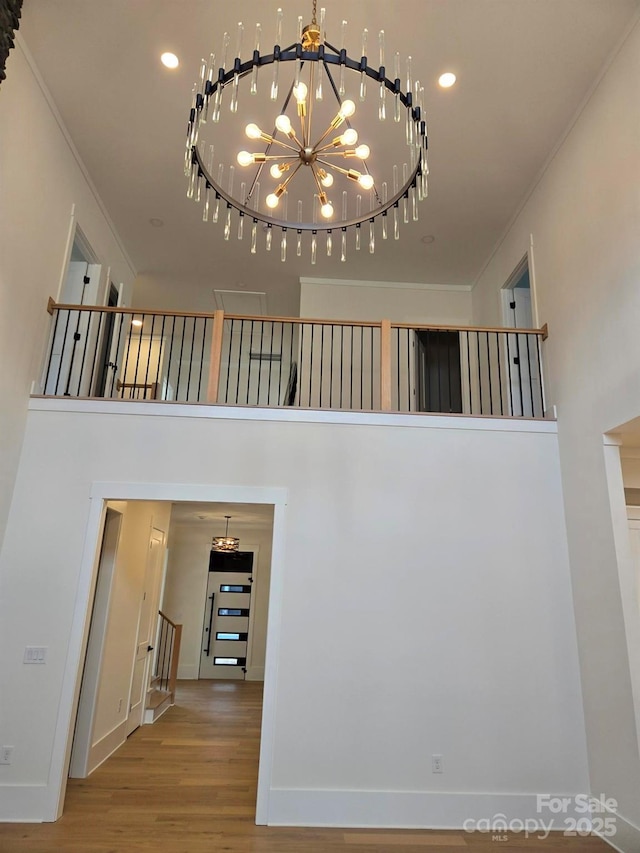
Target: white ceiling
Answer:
pixel 524 68
pixel 212 515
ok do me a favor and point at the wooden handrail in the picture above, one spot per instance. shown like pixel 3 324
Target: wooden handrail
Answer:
pixel 175 656
pixel 166 618
pixel 63 306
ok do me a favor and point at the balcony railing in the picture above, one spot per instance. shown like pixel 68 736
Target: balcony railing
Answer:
pixel 129 354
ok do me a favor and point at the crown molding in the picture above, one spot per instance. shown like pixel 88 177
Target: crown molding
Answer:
pixel 388 285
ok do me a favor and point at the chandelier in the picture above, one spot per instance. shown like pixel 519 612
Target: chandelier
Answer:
pixel 226 542
pixel 311 166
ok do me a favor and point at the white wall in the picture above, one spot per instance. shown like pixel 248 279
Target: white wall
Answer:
pixel 186 590
pixel 584 219
pixel 425 607
pixel 38 194
pixel 395 301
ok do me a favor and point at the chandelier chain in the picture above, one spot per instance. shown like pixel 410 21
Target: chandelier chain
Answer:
pixel 313 15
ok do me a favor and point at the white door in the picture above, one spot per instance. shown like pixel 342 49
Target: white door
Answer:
pixel 83 735
pixel 146 630
pixel 227 614
pixel 522 375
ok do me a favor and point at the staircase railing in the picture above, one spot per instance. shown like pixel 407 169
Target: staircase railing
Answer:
pixel 165 670
pixel 129 354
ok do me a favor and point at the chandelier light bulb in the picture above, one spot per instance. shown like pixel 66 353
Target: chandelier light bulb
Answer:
pixel 300 92
pixel 326 179
pixel 363 151
pixel 327 210
pixel 245 158
pixel 283 123
pixel 272 200
pixel 366 182
pixel 347 109
pixel 276 171
pixel 350 136
pixel 253 131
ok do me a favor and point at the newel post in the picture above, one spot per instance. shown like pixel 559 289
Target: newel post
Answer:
pixel 385 365
pixel 216 355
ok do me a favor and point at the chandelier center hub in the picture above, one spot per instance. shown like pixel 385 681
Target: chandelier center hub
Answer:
pixel 308 156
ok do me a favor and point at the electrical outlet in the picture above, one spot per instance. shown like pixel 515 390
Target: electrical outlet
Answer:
pixel 6 754
pixel 437 765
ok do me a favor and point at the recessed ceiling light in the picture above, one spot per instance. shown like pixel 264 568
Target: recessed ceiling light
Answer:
pixel 157 223
pixel 136 322
pixel 428 238
pixel 447 79
pixel 169 60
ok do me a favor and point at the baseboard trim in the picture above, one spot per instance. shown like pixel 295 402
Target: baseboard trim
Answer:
pixel 627 835
pixel 255 673
pixel 188 672
pixel 412 810
pixel 106 746
pixel 25 804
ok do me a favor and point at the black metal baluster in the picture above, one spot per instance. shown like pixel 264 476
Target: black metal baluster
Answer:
pixel 249 369
pixel 160 354
pixel 94 360
pixel 135 377
pixel 321 358
pixel 146 375
pixel 331 372
pixel 205 321
pixel 126 361
pixel 498 348
pixel 181 360
pixel 53 338
pixel 260 362
pixel 292 327
pixel 170 363
pixel 193 343
pixel 397 331
pixel 361 366
pixel 448 334
pixel 114 367
pixel 302 325
pixel 239 359
pixel 271 365
pixel 341 364
pixel 469 372
pixel 477 334
pixel 229 352
pixel 84 352
pixel 313 329
pixel 410 390
pixel 489 372
pixel 371 367
pixel 539 359
pixel 281 360
pixel 519 366
pixel 528 337
pixel 511 412
pixel 351 328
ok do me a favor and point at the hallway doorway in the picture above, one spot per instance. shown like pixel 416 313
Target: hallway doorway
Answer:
pixel 185 578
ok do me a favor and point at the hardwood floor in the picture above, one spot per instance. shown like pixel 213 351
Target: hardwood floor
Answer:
pixel 187 784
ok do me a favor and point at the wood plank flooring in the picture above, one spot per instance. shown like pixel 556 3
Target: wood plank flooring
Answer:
pixel 187 784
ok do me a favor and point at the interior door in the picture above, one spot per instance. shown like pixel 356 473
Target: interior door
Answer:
pixel 225 632
pixel 438 371
pixel 146 630
pixel 523 373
